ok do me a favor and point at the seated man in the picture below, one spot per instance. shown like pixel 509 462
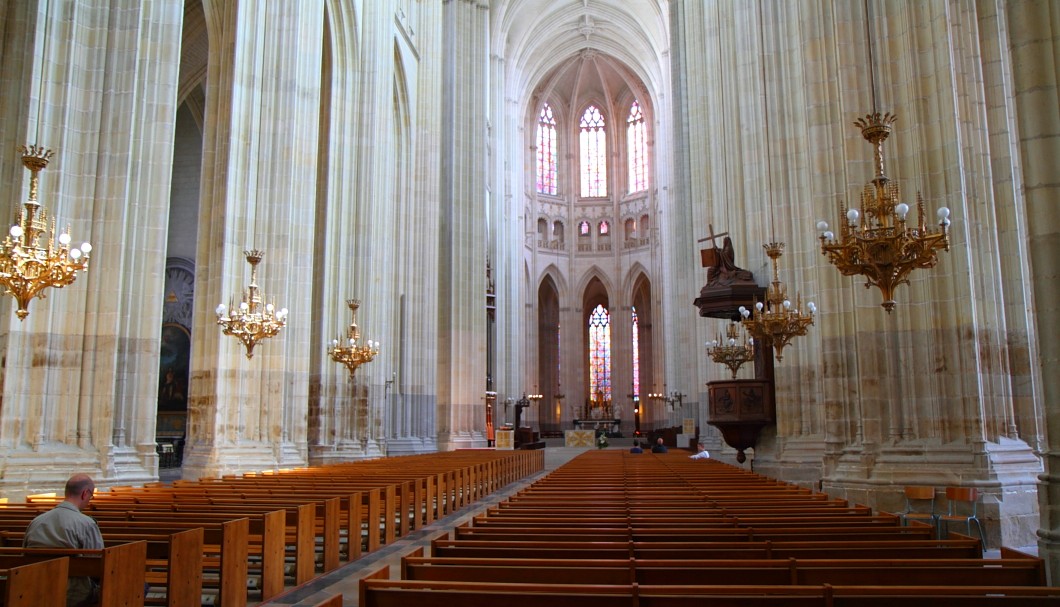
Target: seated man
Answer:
pixel 659 446
pixel 703 453
pixel 636 448
pixel 64 526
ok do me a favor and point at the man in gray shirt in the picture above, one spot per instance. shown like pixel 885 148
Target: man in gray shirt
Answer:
pixel 64 526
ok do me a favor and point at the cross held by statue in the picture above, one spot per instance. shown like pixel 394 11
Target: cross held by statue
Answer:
pixel 709 257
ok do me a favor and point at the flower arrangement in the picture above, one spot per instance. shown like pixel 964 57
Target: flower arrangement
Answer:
pixel 601 441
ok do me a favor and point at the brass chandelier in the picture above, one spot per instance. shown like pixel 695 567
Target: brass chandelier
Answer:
pixel 250 322
pixel 730 352
pixel 878 242
pixel 776 321
pixel 27 266
pixel 353 354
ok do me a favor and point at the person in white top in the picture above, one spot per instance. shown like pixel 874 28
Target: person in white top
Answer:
pixel 703 453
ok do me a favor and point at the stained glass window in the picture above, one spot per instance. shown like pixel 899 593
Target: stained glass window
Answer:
pixel 637 149
pixel 600 353
pixel 605 228
pixel 636 355
pixel 593 153
pixel 583 228
pixel 546 152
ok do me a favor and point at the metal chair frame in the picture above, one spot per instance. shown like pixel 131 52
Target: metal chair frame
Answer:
pixel 962 498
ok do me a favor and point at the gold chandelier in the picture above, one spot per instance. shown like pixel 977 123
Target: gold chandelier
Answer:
pixel 729 352
pixel 26 266
pixel 877 242
pixel 776 321
pixel 250 322
pixel 353 354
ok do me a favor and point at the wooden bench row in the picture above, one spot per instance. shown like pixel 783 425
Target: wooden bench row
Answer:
pixel 262 533
pixel 609 529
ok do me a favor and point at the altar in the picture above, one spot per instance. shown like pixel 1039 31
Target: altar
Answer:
pixel 609 426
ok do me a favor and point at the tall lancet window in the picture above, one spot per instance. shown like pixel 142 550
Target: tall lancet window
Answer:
pixel 593 141
pixel 546 151
pixel 636 355
pixel 600 354
pixel 637 152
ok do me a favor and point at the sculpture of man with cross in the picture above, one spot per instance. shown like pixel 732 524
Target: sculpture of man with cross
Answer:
pixel 720 263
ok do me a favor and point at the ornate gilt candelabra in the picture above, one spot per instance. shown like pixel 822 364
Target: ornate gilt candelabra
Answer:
pixel 670 399
pixel 250 322
pixel 729 352
pixel 28 267
pixel 776 321
pixel 353 354
pixel 877 242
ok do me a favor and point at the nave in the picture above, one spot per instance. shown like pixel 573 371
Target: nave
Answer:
pixel 612 528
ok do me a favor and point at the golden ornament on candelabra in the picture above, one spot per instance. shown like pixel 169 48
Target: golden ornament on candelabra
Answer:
pixel 776 321
pixel 250 322
pixel 877 242
pixel 26 266
pixel 729 352
pixel 353 354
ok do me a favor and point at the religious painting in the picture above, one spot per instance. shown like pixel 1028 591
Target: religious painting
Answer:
pixel 173 362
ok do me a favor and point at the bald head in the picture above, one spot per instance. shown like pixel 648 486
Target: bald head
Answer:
pixel 79 490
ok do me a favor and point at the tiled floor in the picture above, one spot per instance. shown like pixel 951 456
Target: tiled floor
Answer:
pixel 345 579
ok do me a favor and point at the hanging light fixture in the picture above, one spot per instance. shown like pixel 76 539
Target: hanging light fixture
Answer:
pixel 877 242
pixel 774 322
pixel 732 352
pixel 250 322
pixel 353 354
pixel 28 266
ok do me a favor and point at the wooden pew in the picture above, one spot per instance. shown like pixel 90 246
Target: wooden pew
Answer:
pixel 119 569
pixel 36 584
pixel 895 572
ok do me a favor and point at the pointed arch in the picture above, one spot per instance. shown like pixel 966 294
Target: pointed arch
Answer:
pixel 548 350
pixel 596 328
pixel 644 333
pixel 553 273
pixel 592 151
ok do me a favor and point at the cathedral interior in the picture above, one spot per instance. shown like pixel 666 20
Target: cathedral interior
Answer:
pixel 447 215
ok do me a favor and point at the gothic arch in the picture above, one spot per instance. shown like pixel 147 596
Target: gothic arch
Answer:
pixel 595 273
pixel 553 273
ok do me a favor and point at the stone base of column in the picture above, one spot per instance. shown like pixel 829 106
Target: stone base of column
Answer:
pixel 132 466
pixel 1005 474
pixel 209 461
pixel 410 445
pixel 27 472
pixel 345 451
pixel 463 440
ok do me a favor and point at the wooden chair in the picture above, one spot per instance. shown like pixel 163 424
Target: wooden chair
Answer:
pixel 962 506
pixel 920 506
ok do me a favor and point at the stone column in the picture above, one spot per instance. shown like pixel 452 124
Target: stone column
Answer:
pixel 81 378
pixel 1033 28
pixel 259 176
pixel 462 249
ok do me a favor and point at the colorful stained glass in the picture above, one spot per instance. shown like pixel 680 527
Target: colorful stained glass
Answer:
pixel 637 149
pixel 600 353
pixel 593 141
pixel 546 152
